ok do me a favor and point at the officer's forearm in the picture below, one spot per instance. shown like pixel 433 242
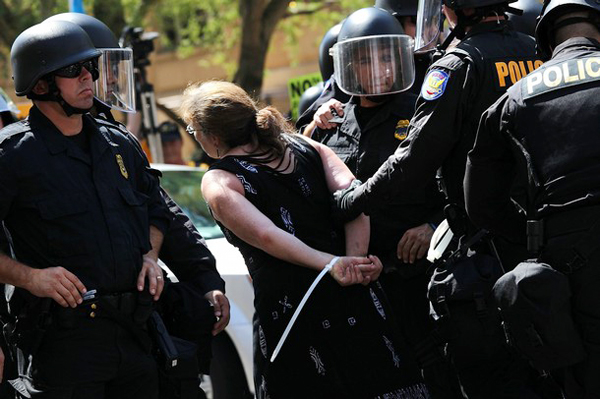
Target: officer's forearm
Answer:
pixel 14 273
pixel 156 239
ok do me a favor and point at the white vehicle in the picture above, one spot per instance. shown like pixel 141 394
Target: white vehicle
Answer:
pixel 231 366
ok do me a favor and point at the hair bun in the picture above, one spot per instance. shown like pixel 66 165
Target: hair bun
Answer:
pixel 265 118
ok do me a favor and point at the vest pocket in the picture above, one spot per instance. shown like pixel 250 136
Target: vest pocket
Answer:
pixel 138 218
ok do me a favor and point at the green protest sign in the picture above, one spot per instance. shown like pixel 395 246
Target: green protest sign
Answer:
pixel 297 86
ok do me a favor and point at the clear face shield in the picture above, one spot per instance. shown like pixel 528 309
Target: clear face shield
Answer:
pixel 374 65
pixel 429 25
pixel 115 86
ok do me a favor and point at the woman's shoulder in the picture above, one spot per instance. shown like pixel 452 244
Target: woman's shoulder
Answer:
pixel 233 164
pixel 302 144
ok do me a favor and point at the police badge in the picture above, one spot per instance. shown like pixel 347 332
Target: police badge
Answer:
pixel 122 166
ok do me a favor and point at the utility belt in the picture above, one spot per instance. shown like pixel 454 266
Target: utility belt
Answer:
pixel 571 221
pixel 131 305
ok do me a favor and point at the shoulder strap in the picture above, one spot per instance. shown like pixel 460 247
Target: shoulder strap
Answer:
pixel 115 125
pixel 467 50
pixel 14 129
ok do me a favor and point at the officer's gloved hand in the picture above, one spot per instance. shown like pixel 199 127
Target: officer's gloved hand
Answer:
pixel 349 202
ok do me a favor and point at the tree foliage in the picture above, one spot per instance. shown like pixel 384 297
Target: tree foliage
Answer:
pixel 237 33
pixel 18 15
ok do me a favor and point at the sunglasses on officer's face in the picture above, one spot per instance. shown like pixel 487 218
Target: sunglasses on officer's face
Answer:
pixel 74 70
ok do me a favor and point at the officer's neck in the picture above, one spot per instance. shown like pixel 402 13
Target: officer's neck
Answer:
pixel 67 125
pixel 366 103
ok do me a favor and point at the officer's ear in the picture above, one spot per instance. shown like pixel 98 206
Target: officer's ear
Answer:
pixel 41 87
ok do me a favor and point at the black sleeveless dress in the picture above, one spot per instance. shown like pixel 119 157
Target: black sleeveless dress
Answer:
pixel 343 344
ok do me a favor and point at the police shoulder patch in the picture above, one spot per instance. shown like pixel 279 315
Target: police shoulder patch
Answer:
pixel 434 84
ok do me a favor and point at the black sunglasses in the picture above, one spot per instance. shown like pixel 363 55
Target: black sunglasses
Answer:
pixel 74 70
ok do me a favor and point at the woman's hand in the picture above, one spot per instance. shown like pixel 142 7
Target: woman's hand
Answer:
pixel 350 270
pixel 372 273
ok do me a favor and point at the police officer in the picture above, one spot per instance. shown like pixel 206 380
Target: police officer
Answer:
pixel 330 102
pixel 457 89
pixel 184 250
pixel 86 221
pixel 374 123
pixel 545 130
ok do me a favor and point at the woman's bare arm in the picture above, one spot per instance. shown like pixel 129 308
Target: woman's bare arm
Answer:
pixel 225 195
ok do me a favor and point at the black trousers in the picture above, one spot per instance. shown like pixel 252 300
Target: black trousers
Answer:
pixel 407 296
pixel 97 359
pixel 581 381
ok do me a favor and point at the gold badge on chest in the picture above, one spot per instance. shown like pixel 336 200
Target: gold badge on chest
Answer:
pixel 401 129
pixel 122 166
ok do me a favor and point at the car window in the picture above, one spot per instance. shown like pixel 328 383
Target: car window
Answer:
pixel 184 187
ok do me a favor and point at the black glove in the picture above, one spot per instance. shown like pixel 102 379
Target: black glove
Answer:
pixel 349 202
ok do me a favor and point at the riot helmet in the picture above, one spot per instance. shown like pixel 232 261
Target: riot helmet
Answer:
pixel 373 56
pixel 399 8
pixel 462 4
pixel 429 19
pixel 42 49
pixel 115 86
pixel 526 23
pixel 325 60
pixel 551 11
pixel 309 96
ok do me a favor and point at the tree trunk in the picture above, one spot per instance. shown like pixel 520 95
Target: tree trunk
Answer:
pixel 259 19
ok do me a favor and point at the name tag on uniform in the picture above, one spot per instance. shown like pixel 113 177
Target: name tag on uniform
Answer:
pixel 566 74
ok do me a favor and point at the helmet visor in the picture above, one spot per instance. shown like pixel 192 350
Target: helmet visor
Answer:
pixel 115 86
pixel 429 25
pixel 374 65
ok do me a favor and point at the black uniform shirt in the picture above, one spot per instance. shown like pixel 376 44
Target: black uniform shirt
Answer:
pixel 456 91
pixel 545 127
pixel 89 212
pixel 364 140
pixel 184 250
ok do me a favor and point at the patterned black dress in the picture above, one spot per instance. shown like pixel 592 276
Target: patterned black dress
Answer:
pixel 343 344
